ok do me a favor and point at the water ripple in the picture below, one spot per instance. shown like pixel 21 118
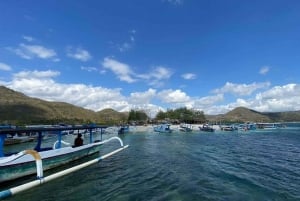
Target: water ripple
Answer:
pixel 220 166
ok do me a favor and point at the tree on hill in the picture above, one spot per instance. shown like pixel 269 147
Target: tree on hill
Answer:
pixel 182 115
pixel 137 116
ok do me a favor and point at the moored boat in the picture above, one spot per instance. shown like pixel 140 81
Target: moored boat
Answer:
pixel 185 128
pixel 163 128
pixel 270 126
pixel 206 128
pixel 228 128
pixel 12 166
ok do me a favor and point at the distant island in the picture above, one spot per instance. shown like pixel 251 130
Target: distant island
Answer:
pixel 17 108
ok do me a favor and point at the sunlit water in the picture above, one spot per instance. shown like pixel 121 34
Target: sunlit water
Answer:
pixel 187 166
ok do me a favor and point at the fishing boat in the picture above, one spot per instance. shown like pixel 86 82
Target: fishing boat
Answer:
pixel 163 128
pixel 206 128
pixel 185 128
pixel 16 165
pixel 16 139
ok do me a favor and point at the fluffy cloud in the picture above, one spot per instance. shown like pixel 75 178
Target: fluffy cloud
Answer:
pixel 5 67
pixel 241 89
pixel 36 74
pixel 156 76
pixel 28 38
pixel 89 68
pixel 189 76
pixel 143 98
pixel 173 96
pixel 264 70
pixel 208 101
pixel 42 84
pixel 278 98
pixel 125 46
pixel 34 51
pixel 79 54
pixel 122 70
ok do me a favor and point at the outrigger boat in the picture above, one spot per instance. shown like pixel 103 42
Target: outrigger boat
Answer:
pixel 13 166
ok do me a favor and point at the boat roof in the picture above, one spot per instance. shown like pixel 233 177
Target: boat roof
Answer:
pixel 48 128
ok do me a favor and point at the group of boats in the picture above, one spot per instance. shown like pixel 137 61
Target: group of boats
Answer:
pixel 166 128
pixel 252 126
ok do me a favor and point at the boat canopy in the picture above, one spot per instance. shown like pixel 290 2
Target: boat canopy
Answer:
pixel 58 130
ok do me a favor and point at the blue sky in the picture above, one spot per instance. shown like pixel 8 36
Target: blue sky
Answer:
pixel 210 55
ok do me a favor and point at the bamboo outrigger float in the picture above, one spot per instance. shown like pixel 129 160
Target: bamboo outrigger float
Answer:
pixel 40 159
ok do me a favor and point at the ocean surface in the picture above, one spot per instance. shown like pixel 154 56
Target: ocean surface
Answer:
pixel 187 166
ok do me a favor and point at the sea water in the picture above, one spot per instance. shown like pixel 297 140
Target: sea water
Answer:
pixel 187 166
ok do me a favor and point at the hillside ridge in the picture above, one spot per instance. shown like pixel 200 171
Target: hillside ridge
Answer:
pixel 15 107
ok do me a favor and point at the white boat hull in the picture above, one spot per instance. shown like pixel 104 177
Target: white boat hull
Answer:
pixel 25 165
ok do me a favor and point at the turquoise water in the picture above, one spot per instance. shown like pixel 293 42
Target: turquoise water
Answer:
pixel 190 166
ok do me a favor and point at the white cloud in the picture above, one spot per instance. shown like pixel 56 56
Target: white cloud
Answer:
pixel 189 76
pixel 241 89
pixel 161 72
pixel 127 44
pixel 42 84
pixel 88 68
pixel 143 98
pixel 79 54
pixel 276 99
pixel 124 47
pixel 33 51
pixel 122 70
pixel 208 101
pixel 28 38
pixel 173 96
pixel 264 70
pixel 4 67
pixel 156 76
pixel 37 74
pixel 286 91
pixel 38 51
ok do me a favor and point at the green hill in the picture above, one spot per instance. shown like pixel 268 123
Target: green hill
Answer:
pixel 242 114
pixel 17 108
